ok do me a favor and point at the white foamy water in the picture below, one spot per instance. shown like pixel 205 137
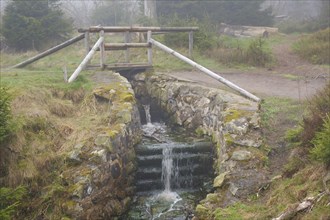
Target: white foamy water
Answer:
pixel 168 197
pixel 167 168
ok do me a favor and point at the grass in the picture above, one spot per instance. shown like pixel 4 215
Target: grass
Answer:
pixel 46 72
pixel 234 52
pixel 239 211
pixel 273 106
pixel 46 110
pixel 281 195
pixel 314 47
pixel 290 76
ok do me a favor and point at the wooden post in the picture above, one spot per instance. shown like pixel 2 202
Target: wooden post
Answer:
pixel 50 51
pixel 86 42
pixel 102 51
pixel 65 73
pixel 87 47
pixel 127 40
pixel 191 43
pixel 205 70
pixel 150 48
pixel 86 59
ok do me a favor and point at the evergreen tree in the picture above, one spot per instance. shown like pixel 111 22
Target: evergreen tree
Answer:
pixel 32 24
pixel 234 12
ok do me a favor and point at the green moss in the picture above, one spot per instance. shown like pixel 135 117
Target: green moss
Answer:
pixel 112 132
pixel 212 197
pixel 203 212
pixel 200 132
pixel 233 114
pixel 128 97
pixel 228 139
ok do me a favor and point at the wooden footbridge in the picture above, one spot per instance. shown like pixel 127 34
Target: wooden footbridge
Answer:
pixel 101 46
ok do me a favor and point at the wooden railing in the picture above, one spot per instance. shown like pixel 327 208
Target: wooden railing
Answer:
pixel 101 46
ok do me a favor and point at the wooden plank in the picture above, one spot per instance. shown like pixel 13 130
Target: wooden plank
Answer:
pixel 118 67
pixel 124 46
pixel 86 60
pixel 205 70
pixel 94 29
pixel 49 51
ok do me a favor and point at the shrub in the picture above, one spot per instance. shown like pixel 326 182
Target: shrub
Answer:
pixel 257 53
pixel 231 50
pixel 5 114
pixel 315 48
pixel 319 107
pixel 321 142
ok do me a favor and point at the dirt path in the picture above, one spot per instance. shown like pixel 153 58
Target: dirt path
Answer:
pixel 291 78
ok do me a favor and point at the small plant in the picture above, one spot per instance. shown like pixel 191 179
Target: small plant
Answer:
pixel 10 200
pixel 293 135
pixel 321 142
pixel 257 54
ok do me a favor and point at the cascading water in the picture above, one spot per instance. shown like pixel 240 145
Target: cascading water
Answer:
pixel 167 166
pixel 171 170
pixel 147 111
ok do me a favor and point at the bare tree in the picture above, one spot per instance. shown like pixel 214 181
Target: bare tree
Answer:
pixel 80 11
pixel 150 9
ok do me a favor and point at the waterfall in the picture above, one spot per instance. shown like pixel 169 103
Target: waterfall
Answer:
pixel 167 167
pixel 147 111
pixel 167 170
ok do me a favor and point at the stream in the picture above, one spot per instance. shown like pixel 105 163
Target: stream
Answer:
pixel 174 172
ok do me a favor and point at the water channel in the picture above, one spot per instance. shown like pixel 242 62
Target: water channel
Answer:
pixel 174 172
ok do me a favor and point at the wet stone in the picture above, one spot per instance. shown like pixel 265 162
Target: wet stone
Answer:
pixel 115 171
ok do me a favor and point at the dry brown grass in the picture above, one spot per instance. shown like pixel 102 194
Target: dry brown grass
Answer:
pixel 61 108
pixel 75 95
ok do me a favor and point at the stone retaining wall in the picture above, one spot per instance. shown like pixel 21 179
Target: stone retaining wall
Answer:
pixel 101 169
pixel 231 120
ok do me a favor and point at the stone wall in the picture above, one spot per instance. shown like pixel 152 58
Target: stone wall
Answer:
pixel 101 168
pixel 231 120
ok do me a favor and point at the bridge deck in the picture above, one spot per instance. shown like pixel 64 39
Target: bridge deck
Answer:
pixel 119 67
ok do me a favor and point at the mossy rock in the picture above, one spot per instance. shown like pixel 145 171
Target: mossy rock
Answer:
pixel 202 212
pixel 104 140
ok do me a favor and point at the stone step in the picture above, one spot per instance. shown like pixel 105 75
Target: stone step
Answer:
pixel 156 173
pixel 157 149
pixel 185 182
pixel 178 159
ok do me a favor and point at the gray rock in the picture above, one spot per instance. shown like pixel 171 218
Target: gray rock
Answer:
pixel 255 120
pixel 239 126
pixel 219 180
pixel 74 156
pixel 241 155
pixel 103 140
pixel 248 143
pixel 233 189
